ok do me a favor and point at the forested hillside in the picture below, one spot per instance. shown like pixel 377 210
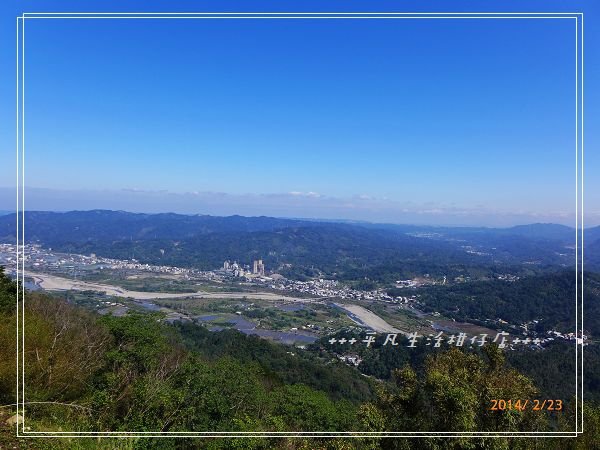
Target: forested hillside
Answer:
pixel 55 228
pixel 548 298
pixel 347 251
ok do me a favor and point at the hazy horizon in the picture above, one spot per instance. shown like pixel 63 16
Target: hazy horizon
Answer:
pixel 311 206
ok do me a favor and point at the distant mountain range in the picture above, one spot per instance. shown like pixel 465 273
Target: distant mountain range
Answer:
pixel 350 250
pixel 100 225
pixel 114 225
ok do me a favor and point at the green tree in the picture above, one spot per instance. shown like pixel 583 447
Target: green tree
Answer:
pixel 454 394
pixel 8 293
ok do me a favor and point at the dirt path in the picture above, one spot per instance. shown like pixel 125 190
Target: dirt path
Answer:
pixel 54 283
pixel 369 318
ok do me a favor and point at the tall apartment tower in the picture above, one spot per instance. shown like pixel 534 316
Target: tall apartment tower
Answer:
pixel 261 268
pixel 258 268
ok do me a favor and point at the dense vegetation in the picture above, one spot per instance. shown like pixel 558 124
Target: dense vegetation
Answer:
pixel 555 364
pixel 104 225
pixel 549 298
pixel 548 368
pixel 335 378
pixel 136 373
pixel 301 248
pixel 348 251
pixel 81 226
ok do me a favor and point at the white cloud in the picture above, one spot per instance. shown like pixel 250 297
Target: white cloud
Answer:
pixel 305 194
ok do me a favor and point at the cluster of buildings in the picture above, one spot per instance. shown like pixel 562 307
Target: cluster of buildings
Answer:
pixel 8 256
pixel 542 341
pixel 333 289
pixel 239 270
pixel 37 258
pixel 528 329
pixel 406 283
pixel 40 259
pixel 425 280
pixel 473 251
pixel 350 359
pixel 578 338
pixel 258 268
pixel 507 277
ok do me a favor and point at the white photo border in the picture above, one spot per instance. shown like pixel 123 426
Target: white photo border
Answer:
pixel 20 217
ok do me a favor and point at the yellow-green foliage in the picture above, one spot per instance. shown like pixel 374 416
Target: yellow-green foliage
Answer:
pixel 133 373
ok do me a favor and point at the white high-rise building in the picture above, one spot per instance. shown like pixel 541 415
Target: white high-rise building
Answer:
pixel 258 268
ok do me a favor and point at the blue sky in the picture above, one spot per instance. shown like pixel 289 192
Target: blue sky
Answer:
pixel 432 121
